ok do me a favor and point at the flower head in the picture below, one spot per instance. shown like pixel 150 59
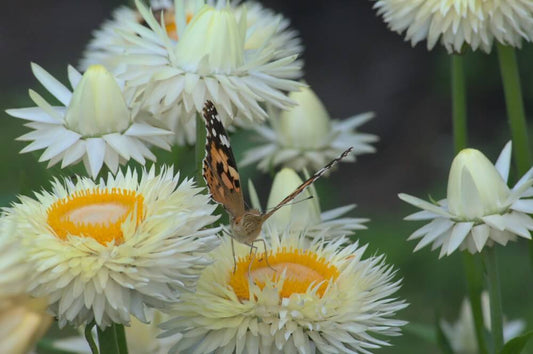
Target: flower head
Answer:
pixel 304 215
pixel 480 208
pixel 461 334
pixel 239 65
pixel 458 22
pixel 23 319
pixel 94 124
pixel 107 250
pixel 321 298
pixel 306 137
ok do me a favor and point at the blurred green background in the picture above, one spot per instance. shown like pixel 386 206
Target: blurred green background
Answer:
pixel 355 64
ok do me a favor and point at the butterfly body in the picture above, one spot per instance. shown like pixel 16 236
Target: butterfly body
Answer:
pixel 247 227
pixel 223 180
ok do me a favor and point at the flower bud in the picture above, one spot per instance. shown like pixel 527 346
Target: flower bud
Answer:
pixel 298 214
pixel 97 106
pixel 475 187
pixel 215 35
pixel 307 125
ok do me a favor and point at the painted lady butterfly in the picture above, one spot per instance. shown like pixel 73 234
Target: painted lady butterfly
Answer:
pixel 222 178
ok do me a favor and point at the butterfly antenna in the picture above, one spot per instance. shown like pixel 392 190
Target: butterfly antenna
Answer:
pixel 292 203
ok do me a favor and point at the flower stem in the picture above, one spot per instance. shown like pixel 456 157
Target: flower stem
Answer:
pixel 515 107
pixel 90 339
pixel 473 272
pixel 515 113
pixel 460 130
pixel 112 340
pixel 199 150
pixel 474 284
pixel 493 281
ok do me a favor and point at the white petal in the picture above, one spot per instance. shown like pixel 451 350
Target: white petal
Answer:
pixel 56 88
pixel 74 76
pixel 63 142
pixel 95 155
pixel 35 114
pixel 422 204
pixel 480 234
pixel 74 154
pixel 504 161
pixel 143 129
pixel 41 102
pixel 459 232
pixel 119 143
pixel 523 205
pixel 439 227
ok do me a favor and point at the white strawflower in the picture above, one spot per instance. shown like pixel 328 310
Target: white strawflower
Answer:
pixel 23 319
pixel 303 215
pixel 321 298
pixel 461 334
pixel 305 137
pixel 107 250
pixel 458 22
pixel 173 78
pixel 480 209
pixel 94 124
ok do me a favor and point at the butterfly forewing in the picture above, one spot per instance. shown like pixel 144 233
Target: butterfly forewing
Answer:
pixel 219 166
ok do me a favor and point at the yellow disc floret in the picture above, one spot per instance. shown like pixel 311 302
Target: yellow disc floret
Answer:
pixel 301 270
pixel 95 213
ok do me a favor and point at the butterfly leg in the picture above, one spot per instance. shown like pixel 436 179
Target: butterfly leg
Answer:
pixel 234 258
pixel 266 252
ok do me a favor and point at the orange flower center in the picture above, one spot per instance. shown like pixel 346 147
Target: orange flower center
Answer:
pixel 96 213
pixel 169 21
pixel 302 269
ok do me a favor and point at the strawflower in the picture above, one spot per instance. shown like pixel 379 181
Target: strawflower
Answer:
pixel 322 298
pixel 94 124
pixel 480 209
pixel 108 250
pixel 305 137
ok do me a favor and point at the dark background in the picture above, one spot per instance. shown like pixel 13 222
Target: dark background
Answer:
pixel 355 64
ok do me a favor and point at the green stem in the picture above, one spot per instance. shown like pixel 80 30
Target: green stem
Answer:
pixel 90 339
pixel 460 130
pixel 112 340
pixel 472 269
pixel 515 107
pixel 493 284
pixel 474 284
pixel 199 150
pixel 515 113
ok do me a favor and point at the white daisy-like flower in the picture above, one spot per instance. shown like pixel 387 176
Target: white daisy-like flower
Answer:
pixel 306 137
pixel 321 298
pixel 303 214
pixel 461 334
pixel 107 45
pixel 23 319
pixel 173 78
pixel 107 250
pixel 94 124
pixel 458 22
pixel 480 209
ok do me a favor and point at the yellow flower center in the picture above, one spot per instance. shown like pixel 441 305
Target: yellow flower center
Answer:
pixel 96 213
pixel 169 21
pixel 302 270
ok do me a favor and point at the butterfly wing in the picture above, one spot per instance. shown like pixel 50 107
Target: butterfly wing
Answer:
pixel 219 167
pixel 307 183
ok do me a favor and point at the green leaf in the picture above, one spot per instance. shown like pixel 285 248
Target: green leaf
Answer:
pixel 517 344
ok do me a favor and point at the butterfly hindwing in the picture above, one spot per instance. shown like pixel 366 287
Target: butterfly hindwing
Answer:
pixel 219 166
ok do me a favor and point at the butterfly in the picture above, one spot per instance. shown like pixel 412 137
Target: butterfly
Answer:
pixel 222 178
